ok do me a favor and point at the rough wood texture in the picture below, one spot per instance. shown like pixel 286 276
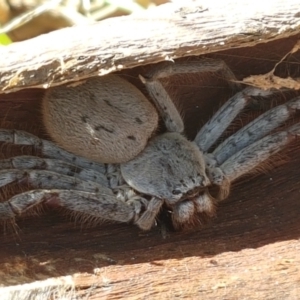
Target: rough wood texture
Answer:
pixel 250 251
pixel 166 33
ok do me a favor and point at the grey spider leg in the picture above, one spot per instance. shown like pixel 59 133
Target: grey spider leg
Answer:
pixel 47 179
pixel 101 205
pixel 53 165
pixel 256 129
pixel 214 128
pixel 47 148
pixel 242 138
pixel 162 100
pixel 250 157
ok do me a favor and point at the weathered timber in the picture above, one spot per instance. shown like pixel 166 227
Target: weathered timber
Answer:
pixel 164 33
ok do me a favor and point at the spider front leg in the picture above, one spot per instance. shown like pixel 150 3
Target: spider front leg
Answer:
pixel 256 129
pixel 162 100
pixel 227 161
pixel 252 156
pixel 216 126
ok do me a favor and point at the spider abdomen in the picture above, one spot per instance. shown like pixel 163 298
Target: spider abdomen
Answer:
pixel 105 119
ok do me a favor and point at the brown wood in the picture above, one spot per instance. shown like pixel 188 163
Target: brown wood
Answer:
pixel 249 251
pixel 166 33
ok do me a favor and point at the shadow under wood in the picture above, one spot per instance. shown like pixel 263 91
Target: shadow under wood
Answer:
pixel 261 209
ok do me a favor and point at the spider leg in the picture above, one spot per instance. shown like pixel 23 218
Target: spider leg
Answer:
pixel 47 179
pixel 253 155
pixel 47 148
pixel 215 127
pixel 101 205
pixel 53 165
pixel 162 100
pixel 93 204
pixel 256 130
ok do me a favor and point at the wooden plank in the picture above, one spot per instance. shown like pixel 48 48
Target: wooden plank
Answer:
pixel 164 33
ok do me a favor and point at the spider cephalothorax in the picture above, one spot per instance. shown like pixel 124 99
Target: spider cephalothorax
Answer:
pixel 149 172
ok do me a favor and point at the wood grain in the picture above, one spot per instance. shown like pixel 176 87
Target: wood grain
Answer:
pixel 165 33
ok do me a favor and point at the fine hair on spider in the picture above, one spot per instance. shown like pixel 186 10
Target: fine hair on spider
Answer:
pixel 107 161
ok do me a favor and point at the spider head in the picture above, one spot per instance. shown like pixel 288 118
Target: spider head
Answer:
pixel 172 168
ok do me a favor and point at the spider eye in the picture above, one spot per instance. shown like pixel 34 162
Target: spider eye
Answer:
pixel 176 192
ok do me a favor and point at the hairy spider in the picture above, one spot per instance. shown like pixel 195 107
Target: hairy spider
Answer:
pixel 118 170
